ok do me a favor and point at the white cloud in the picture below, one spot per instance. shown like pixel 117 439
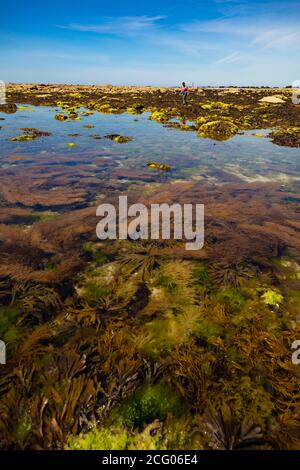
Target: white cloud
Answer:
pixel 230 58
pixel 278 39
pixel 119 26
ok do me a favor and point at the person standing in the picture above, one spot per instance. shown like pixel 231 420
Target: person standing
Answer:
pixel 184 92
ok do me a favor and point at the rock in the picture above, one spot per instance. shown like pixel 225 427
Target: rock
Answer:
pixel 218 130
pixel 61 117
pixel 35 132
pixel 73 115
pixel 8 108
pixel 106 108
pixel 120 139
pixel 159 116
pixel 219 105
pixel 286 137
pixel 272 99
pixel 135 109
pixel 30 134
pixel 21 138
pixel 159 166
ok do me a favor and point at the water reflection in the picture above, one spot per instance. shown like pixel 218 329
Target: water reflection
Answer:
pixel 245 156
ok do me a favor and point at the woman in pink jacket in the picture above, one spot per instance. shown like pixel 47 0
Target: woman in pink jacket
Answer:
pixel 184 92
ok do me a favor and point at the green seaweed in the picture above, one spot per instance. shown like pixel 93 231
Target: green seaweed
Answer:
pixel 218 130
pixel 149 402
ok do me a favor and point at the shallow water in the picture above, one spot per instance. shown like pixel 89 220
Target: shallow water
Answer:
pixel 245 156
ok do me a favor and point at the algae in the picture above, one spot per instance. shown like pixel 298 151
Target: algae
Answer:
pixel 218 130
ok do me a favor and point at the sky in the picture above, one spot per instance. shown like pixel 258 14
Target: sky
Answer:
pixel 159 43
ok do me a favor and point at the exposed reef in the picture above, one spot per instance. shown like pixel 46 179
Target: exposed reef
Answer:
pixel 286 137
pixel 247 108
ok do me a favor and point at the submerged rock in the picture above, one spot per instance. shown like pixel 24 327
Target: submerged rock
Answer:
pixel 96 136
pixel 159 166
pixel 30 134
pixel 218 130
pixel 35 132
pixel 21 138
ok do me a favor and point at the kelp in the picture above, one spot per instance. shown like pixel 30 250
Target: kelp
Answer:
pixel 223 433
pixel 96 329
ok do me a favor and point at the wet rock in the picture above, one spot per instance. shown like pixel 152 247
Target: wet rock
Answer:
pixel 106 108
pixel 8 108
pixel 181 126
pixel 61 117
pixel 159 116
pixel 287 138
pixel 218 130
pixel 135 109
pixel 35 132
pixel 219 105
pixel 73 115
pixel 96 136
pixel 120 139
pixel 30 134
pixel 21 138
pixel 159 166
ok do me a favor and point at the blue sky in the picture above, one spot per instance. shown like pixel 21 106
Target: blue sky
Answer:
pixel 214 42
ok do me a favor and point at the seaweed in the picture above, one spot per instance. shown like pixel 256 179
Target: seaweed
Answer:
pixel 144 345
pixel 223 433
pixel 218 130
